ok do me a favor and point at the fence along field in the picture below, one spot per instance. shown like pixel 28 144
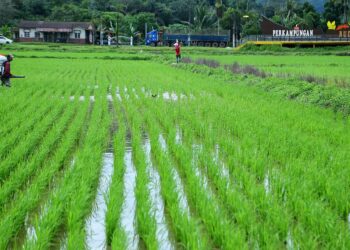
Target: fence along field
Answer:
pixel 158 157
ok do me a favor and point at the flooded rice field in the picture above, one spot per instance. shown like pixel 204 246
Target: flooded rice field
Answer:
pixel 121 154
pixel 158 208
pixel 128 220
pixel 95 224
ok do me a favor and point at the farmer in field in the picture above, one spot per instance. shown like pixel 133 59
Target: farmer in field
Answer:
pixel 177 51
pixel 5 70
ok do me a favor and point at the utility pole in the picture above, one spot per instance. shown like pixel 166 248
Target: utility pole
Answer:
pixel 117 29
pixel 346 5
pixel 101 33
pixel 218 26
pixel 233 31
pixel 145 33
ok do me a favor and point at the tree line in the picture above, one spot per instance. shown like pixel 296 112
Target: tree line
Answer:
pixel 129 16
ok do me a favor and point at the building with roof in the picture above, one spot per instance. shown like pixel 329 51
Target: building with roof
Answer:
pixel 64 32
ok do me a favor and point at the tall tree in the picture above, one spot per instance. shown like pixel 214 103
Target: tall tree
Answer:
pixel 8 12
pixel 334 11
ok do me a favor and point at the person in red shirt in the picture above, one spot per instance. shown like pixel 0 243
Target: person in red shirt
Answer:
pixel 177 51
pixel 6 76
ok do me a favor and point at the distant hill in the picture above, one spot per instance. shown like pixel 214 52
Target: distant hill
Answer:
pixel 319 4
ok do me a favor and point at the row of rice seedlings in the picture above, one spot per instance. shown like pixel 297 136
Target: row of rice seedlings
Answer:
pixel 27 145
pixel 19 104
pixel 207 207
pixel 303 214
pixel 225 188
pixel 13 219
pixel 54 214
pixel 217 223
pixel 146 223
pixel 96 223
pixel 154 188
pixel 116 236
pixel 19 100
pixel 209 154
pixel 239 180
pixel 184 226
pixel 23 174
pixel 163 233
pixel 20 127
pixel 89 163
pixel 241 208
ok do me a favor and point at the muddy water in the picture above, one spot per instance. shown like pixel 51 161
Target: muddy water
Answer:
pixel 117 93
pixel 109 97
pixel 162 143
pixel 179 185
pixel 290 244
pixel 126 95
pixel 135 93
pixel 30 230
pixel 162 232
pixel 196 150
pixel 223 169
pixel 95 224
pixel 267 183
pixel 29 223
pixel 128 219
pixel 178 137
pixel 170 96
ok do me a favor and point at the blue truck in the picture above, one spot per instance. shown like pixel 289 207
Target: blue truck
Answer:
pixel 156 38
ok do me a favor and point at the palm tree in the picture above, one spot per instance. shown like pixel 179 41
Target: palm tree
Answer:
pixel 203 17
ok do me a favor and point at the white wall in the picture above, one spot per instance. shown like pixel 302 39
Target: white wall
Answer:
pixel 82 33
pixel 31 33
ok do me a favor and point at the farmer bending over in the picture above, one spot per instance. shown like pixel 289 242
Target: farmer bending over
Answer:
pixel 6 74
pixel 6 70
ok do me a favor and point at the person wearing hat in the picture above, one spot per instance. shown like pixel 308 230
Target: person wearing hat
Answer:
pixel 6 75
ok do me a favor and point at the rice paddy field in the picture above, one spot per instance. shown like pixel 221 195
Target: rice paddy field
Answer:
pixel 330 69
pixel 127 150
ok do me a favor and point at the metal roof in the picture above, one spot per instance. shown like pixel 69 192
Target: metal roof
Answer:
pixel 55 25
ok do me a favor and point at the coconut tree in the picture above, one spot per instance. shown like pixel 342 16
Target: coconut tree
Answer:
pixel 203 17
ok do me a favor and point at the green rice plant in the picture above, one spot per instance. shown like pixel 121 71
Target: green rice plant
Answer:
pixel 114 232
pixel 185 227
pixel 23 174
pixel 29 200
pixel 81 205
pixel 17 105
pixel 55 215
pixel 146 223
pixel 219 229
pixel 27 145
pixel 18 126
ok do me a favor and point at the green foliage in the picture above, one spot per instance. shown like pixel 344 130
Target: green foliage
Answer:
pixel 70 12
pixel 198 15
pixel 6 31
